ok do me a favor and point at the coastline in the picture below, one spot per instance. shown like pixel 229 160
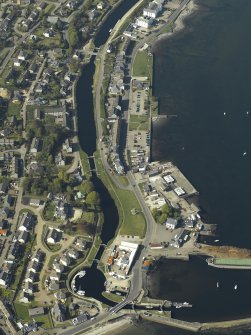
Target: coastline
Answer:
pixel 180 23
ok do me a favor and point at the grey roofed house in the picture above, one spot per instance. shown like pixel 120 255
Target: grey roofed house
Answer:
pixel 4 278
pixel 171 223
pixel 28 287
pixel 55 276
pixel 4 212
pixel 53 286
pixel 26 221
pixel 73 253
pixel 33 68
pixel 14 251
pixel 4 187
pixel 35 266
pixel 23 236
pixel 35 144
pixel 54 236
pixel 59 268
pixel 38 257
pixel 31 276
pixel 36 311
pixel 58 311
pixel 25 297
pixel 37 114
pixel 65 260
pixel 81 243
pixel 60 295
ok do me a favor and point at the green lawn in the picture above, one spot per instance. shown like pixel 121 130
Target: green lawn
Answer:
pixel 139 122
pixel 125 201
pixel 142 65
pixel 123 180
pixel 21 311
pixel 23 314
pixel 14 109
pixel 112 296
pixel 85 163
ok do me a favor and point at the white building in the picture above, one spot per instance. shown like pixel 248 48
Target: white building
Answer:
pixel 152 10
pixel 144 22
pixel 171 223
pixel 132 249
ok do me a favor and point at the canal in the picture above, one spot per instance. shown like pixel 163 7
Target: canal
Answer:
pixel 87 139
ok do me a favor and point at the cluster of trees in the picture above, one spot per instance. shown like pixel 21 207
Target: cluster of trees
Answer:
pixel 92 197
pixel 161 215
pixel 53 136
pixel 73 37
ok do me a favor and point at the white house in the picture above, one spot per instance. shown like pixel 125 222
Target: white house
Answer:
pixel 17 62
pixel 171 223
pixel 152 10
pixel 144 22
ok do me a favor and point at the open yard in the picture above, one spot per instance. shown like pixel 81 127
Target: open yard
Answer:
pixel 142 65
pixel 139 122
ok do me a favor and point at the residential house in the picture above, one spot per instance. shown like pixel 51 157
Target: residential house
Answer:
pixel 25 222
pixel 48 33
pixel 55 275
pixel 54 236
pixel 30 277
pixel 171 223
pixel 17 62
pixel 23 236
pixel 35 267
pixel 61 211
pixel 37 114
pixel 37 311
pixel 17 97
pixel 59 159
pixel 4 278
pixel 144 22
pixel 33 68
pixel 152 10
pixel 38 257
pixel 81 243
pixel 4 187
pixel 28 288
pixel 14 251
pixel 67 146
pixel 58 312
pixel 4 212
pixel 25 297
pixel 35 202
pixel 53 286
pixel 22 55
pixel 59 268
pixel 73 253
pixel 15 168
pixel 3 232
pixel 65 260
pixel 35 145
pixel 41 6
pixel 100 5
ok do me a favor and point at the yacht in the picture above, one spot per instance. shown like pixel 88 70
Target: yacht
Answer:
pixel 81 274
pixel 80 292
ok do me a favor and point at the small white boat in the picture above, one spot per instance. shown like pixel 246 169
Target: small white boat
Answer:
pixel 216 240
pixel 80 292
pixel 217 284
pixel 81 274
pixel 235 286
pixel 224 113
pixel 244 153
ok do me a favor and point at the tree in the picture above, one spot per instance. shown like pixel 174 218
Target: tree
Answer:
pixel 87 187
pixel 165 209
pixel 162 218
pixel 93 199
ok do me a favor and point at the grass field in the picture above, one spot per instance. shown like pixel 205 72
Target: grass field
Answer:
pixel 23 314
pixel 139 122
pixel 142 65
pixel 85 163
pixel 125 201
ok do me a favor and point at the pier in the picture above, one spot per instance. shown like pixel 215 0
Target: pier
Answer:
pixel 230 263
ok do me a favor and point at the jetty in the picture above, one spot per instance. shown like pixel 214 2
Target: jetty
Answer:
pixel 230 263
